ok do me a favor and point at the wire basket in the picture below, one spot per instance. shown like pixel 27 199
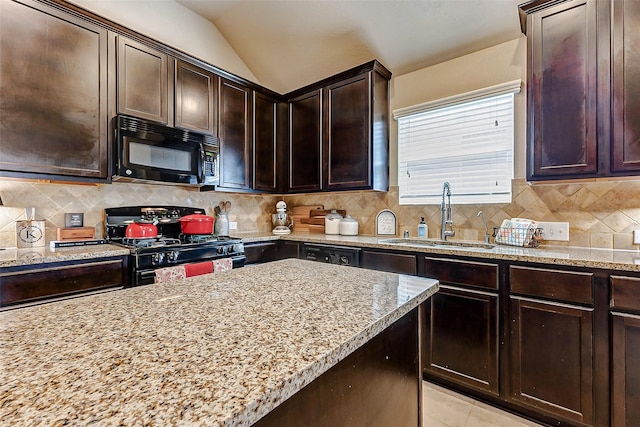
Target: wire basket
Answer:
pixel 525 237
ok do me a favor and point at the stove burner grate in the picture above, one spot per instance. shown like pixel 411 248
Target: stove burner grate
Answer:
pixel 198 238
pixel 149 242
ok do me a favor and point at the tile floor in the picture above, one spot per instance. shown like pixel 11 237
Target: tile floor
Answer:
pixel 445 408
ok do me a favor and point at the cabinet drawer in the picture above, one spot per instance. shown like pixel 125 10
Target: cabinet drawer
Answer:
pixel 23 286
pixel 625 293
pixel 459 272
pixel 568 286
pixel 385 261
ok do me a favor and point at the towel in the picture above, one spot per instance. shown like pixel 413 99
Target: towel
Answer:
pixel 170 273
pixel 199 268
pixel 222 264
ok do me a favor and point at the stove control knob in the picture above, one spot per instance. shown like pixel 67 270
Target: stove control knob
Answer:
pixel 172 256
pixel 157 259
pixel 221 250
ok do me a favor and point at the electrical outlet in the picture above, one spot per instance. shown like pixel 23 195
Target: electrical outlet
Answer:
pixel 233 225
pixel 636 237
pixel 555 231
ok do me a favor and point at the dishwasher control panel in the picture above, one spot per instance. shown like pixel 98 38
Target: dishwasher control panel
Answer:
pixel 331 254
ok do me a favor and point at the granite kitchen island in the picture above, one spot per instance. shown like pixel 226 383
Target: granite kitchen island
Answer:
pixel 220 349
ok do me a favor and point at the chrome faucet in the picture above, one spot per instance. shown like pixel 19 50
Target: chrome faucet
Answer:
pixel 486 229
pixel 447 215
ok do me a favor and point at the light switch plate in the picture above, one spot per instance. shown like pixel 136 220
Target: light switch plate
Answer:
pixel 636 237
pixel 555 231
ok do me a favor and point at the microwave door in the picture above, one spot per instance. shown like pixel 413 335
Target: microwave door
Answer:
pixel 163 161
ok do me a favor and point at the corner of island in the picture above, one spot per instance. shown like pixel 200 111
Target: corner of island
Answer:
pixel 289 342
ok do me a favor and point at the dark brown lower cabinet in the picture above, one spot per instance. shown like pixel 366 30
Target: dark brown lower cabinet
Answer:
pixel 625 390
pixel 625 351
pixel 391 262
pixel 34 283
pixel 552 359
pixel 261 252
pixel 460 338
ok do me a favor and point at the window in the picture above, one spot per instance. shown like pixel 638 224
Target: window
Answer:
pixel 466 140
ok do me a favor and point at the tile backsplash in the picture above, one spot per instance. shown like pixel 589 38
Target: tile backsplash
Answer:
pixel 52 201
pixel 600 214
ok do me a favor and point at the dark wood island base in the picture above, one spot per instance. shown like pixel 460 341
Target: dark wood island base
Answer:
pixel 377 385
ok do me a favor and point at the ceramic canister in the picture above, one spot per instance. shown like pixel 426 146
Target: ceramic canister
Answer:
pixel 332 222
pixel 348 226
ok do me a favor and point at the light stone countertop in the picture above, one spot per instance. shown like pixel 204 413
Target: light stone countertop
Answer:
pixel 219 349
pixel 613 259
pixel 44 254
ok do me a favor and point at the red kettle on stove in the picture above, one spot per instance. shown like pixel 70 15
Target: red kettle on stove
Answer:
pixel 141 230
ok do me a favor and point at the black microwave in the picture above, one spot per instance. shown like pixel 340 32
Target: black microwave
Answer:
pixel 146 151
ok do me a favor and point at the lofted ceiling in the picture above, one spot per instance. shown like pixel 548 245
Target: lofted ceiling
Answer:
pixel 290 43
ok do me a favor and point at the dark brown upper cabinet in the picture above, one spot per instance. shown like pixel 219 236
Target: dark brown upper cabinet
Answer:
pixel 305 140
pixel 354 155
pixel 562 91
pixel 195 98
pixel 582 73
pixel 143 82
pixel 625 80
pixel 339 132
pixel 53 81
pixel 265 143
pixel 235 135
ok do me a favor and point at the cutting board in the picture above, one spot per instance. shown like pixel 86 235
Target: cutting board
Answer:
pixel 325 212
pixel 300 213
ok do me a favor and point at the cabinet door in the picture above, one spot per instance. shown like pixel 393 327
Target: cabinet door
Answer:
pixel 461 338
pixel 562 87
pixel 552 359
pixel 143 84
pixel 261 252
pixel 265 125
pixel 305 118
pixel 195 98
pixel 626 86
pixel 625 353
pixel 53 81
pixel 347 142
pixel 289 250
pixel 235 135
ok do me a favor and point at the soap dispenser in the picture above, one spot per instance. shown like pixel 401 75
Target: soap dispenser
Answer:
pixel 423 230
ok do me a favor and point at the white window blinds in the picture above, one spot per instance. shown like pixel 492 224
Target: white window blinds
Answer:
pixel 466 140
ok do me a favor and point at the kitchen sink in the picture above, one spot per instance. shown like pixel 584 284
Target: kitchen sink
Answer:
pixel 436 243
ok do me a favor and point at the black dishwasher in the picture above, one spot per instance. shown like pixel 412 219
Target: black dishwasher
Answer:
pixel 332 254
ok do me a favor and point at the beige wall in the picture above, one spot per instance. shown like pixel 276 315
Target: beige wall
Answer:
pixel 173 24
pixel 499 64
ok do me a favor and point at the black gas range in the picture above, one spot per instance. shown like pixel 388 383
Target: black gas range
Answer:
pixel 171 247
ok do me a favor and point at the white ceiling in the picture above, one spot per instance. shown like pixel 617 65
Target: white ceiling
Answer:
pixel 290 43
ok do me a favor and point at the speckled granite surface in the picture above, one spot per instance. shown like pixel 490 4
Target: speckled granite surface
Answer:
pixel 614 259
pixel 220 349
pixel 26 256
